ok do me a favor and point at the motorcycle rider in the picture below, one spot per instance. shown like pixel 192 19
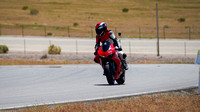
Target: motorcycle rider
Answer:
pixel 103 34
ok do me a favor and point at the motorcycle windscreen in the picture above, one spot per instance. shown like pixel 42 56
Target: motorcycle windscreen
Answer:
pixel 105 46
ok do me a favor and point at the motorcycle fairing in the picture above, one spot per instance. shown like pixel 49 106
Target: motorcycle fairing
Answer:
pixel 101 55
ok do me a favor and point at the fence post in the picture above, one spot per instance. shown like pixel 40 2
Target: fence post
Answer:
pixel 185 47
pixel 45 33
pixel 164 32
pixel 189 33
pixel 158 50
pixel 115 31
pixel 24 46
pixel 22 30
pixel 68 31
pixel 76 47
pixel 91 32
pixel 164 28
pixel 130 48
pixel 139 33
pixel 0 29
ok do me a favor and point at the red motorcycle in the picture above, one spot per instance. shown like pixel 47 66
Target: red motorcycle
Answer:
pixel 107 57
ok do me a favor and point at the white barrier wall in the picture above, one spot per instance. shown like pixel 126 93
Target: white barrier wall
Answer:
pixel 197 61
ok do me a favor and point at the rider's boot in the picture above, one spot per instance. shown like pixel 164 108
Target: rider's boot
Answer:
pixel 124 62
pixel 95 61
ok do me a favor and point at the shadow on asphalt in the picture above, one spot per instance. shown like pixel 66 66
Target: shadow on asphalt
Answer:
pixel 108 85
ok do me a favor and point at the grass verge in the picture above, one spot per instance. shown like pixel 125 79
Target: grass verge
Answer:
pixel 174 101
pixel 40 62
pixel 64 13
pixel 4 61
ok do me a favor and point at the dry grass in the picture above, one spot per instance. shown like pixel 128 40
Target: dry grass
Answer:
pixel 153 61
pixel 88 12
pixel 161 102
pixel 4 61
pixel 39 62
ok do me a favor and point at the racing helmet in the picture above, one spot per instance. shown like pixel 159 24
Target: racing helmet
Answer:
pixel 100 28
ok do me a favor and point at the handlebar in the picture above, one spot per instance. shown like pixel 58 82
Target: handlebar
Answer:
pixel 118 49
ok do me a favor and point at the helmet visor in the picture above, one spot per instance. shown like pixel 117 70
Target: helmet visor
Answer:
pixel 99 31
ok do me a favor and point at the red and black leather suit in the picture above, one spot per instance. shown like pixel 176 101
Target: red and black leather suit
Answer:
pixel 103 34
pixel 107 36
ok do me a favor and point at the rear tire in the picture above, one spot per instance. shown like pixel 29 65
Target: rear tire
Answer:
pixel 109 74
pixel 121 79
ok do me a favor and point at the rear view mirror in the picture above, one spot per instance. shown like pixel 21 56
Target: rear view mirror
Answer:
pixel 119 34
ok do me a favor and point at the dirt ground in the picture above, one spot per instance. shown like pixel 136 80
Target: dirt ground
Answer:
pixel 84 58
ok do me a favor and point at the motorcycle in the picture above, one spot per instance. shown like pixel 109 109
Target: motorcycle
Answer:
pixel 107 57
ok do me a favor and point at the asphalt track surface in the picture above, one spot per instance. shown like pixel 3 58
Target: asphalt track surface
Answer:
pixel 22 86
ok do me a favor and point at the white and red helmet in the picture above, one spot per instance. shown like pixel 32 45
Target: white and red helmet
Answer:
pixel 100 28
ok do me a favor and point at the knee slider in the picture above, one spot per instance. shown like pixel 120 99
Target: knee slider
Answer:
pixel 124 55
pixel 95 61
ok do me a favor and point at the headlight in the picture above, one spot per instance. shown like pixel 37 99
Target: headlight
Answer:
pixel 110 56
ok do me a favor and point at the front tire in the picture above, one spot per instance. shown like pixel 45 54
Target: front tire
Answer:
pixel 121 79
pixel 109 74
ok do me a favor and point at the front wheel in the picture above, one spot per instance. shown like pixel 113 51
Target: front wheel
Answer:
pixel 121 79
pixel 109 74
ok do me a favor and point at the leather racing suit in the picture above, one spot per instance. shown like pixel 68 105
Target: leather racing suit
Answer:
pixel 109 36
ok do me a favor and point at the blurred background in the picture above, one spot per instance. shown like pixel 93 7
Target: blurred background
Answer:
pixel 31 26
pixel 77 18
